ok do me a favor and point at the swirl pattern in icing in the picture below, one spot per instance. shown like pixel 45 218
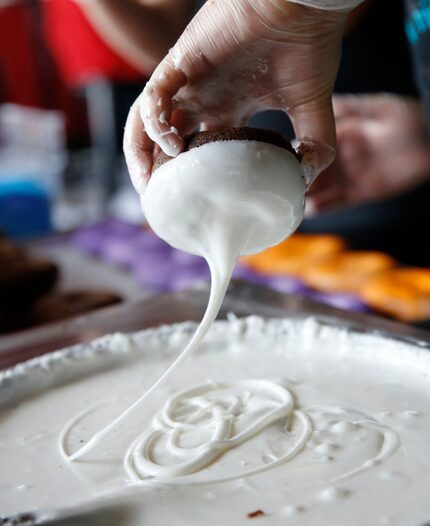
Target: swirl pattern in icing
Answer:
pixel 227 414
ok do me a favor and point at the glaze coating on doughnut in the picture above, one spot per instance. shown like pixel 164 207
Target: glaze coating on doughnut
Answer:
pixel 290 256
pixel 345 272
pixel 402 293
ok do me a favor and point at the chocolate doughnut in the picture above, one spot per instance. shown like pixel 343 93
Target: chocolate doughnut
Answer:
pixel 195 140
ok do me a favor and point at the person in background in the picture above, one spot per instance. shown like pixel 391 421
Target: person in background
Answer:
pixel 140 31
pixel 377 193
pixel 383 151
pixel 383 139
pixel 111 47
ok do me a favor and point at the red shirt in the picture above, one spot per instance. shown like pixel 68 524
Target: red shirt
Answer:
pixel 80 52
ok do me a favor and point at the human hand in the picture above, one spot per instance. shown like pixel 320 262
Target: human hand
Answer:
pixel 383 150
pixel 234 59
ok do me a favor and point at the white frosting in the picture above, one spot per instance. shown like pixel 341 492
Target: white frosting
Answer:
pixel 219 409
pixel 220 201
pixel 226 199
pixel 355 448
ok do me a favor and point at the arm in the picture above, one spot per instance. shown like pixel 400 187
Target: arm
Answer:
pixel 140 31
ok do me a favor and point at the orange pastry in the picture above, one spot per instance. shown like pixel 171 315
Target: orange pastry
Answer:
pixel 290 256
pixel 403 293
pixel 345 272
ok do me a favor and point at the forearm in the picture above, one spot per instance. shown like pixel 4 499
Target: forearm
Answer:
pixel 142 33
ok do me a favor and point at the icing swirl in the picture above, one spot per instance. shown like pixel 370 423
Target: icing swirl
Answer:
pixel 228 414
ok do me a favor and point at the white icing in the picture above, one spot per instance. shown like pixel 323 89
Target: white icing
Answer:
pixel 257 402
pixel 226 199
pixel 339 379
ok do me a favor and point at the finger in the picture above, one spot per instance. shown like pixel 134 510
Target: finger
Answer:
pixel 156 107
pixel 184 121
pixel 315 131
pixel 138 149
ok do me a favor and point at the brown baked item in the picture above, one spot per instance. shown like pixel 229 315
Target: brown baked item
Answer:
pixel 403 293
pixel 345 272
pixel 290 256
pixel 64 305
pixel 9 252
pixel 24 279
pixel 198 139
pixel 14 316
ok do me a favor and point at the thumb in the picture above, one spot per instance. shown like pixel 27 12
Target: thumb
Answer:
pixel 315 131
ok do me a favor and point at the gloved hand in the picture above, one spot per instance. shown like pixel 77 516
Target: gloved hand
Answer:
pixel 383 150
pixel 238 57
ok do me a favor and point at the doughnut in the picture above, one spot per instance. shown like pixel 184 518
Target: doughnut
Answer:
pixel 346 271
pixel 403 293
pixel 244 183
pixel 291 255
pixel 195 140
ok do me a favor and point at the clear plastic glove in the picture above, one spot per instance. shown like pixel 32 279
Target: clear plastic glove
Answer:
pixel 383 150
pixel 235 58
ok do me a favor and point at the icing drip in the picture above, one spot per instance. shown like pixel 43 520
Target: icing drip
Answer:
pixel 218 211
pixel 220 280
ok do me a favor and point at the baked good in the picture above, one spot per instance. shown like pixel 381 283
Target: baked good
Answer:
pixel 64 305
pixel 346 271
pixel 14 316
pixel 403 293
pixel 195 140
pixel 290 256
pixel 26 279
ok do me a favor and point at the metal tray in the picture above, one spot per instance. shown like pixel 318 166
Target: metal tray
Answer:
pixel 241 300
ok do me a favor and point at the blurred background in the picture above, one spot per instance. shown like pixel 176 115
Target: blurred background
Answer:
pixel 68 75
